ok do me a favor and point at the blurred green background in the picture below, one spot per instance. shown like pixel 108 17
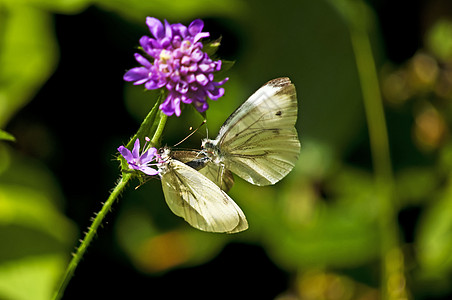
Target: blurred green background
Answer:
pixel 64 109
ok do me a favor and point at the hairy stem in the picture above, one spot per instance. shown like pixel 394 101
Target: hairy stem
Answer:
pixel 90 234
pixel 153 125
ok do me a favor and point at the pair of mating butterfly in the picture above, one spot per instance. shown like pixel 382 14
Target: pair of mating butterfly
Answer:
pixel 258 142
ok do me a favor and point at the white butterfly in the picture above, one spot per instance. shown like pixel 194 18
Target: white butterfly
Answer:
pixel 202 163
pixel 258 141
pixel 194 197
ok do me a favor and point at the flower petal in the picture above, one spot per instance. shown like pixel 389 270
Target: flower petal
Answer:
pixel 125 153
pixel 167 106
pixel 215 93
pixel 204 67
pixel 155 84
pixel 177 110
pixel 148 170
pixel 201 106
pixel 202 79
pixel 148 156
pixel 139 74
pixel 168 30
pixel 182 87
pixel 197 55
pixel 178 64
pixel 201 35
pixel 221 82
pixel 195 27
pixel 185 99
pixel 152 151
pixel 155 27
pixel 179 29
pixel 136 149
pixel 140 58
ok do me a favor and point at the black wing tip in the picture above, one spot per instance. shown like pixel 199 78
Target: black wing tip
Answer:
pixel 283 86
pixel 279 82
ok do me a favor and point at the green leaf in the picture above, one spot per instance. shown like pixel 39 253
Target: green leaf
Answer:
pixel 226 65
pixel 212 47
pixel 58 6
pixel 6 136
pixel 39 239
pixel 175 9
pixel 434 238
pixel 439 39
pixel 30 208
pixel 38 236
pixel 151 127
pixel 28 55
pixel 31 277
pixel 299 229
pixel 148 126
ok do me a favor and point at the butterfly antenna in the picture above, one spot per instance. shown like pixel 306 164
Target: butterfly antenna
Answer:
pixel 144 181
pixel 203 122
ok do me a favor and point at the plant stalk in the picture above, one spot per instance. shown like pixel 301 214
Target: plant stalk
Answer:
pixel 393 283
pixel 90 235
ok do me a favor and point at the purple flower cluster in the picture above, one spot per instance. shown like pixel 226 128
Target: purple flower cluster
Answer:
pixel 178 64
pixel 141 162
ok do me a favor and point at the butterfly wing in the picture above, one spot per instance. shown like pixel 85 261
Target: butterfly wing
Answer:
pixel 219 175
pixel 259 142
pixel 199 201
pixel 204 165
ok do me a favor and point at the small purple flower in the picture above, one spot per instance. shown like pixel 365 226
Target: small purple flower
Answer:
pixel 141 162
pixel 178 64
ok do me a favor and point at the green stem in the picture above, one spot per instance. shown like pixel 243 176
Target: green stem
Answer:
pixel 393 278
pixel 147 127
pixel 90 234
pixel 158 132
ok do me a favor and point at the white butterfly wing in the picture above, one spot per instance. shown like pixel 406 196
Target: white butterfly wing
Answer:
pixel 204 165
pixel 219 175
pixel 259 142
pixel 199 201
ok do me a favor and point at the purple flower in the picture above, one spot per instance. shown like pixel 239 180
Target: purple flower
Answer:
pixel 140 162
pixel 178 64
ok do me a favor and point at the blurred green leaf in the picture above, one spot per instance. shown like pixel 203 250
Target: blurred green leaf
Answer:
pixel 58 6
pixel 434 238
pixel 29 208
pixel 176 9
pixel 416 185
pixel 299 229
pixel 6 136
pixel 211 47
pixel 35 236
pixel 30 278
pixel 149 124
pixel 439 39
pixel 28 54
pixel 31 174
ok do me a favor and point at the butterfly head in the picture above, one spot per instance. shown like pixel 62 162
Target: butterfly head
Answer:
pixel 208 144
pixel 164 155
pixel 211 149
